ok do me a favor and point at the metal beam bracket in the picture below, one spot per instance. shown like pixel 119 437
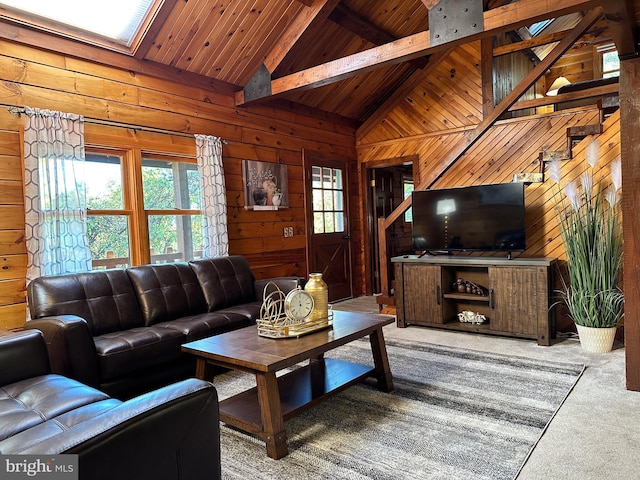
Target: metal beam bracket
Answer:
pixel 453 19
pixel 259 86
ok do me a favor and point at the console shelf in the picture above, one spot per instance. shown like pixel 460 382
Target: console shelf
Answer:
pixel 517 304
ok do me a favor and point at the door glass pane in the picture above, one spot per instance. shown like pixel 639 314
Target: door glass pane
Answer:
pixel 175 237
pixel 170 184
pixel 328 200
pixel 318 222
pixel 328 223
pixel 315 177
pixel 108 238
pixel 103 177
pixel 337 200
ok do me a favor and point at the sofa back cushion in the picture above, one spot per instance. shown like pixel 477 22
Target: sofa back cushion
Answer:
pixel 166 291
pixel 104 298
pixel 225 281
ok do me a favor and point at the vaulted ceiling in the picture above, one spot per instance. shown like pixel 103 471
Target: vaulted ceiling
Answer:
pixel 345 57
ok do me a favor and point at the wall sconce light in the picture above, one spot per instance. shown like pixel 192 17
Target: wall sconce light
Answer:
pixel 555 86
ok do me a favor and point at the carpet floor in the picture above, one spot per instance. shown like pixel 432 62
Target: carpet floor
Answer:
pixel 454 414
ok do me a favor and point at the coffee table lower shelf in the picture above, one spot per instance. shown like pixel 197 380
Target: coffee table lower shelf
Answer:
pixel 298 390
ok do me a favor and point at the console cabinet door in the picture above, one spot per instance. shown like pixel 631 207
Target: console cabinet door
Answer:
pixel 515 300
pixel 422 293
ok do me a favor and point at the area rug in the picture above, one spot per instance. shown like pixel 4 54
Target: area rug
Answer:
pixel 454 414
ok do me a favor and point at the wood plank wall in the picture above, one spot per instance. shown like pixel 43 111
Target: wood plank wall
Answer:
pixel 47 80
pixel 509 147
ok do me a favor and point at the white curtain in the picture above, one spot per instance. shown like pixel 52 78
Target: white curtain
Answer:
pixel 55 201
pixel 214 196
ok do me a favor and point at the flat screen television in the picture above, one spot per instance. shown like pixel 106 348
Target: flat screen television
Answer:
pixel 476 218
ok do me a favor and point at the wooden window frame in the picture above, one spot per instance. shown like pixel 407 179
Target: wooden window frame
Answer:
pixel 132 153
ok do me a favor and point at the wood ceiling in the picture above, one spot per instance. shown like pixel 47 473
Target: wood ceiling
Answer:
pixel 345 57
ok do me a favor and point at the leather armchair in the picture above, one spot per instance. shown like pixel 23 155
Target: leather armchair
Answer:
pixel 169 433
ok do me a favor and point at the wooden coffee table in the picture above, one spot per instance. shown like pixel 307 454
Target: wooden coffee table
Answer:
pixel 262 410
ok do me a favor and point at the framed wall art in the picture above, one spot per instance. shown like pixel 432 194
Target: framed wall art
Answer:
pixel 265 185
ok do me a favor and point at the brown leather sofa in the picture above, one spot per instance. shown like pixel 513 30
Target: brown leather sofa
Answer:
pixel 121 331
pixel 167 434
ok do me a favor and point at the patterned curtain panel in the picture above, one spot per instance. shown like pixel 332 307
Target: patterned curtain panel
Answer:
pixel 55 203
pixel 214 196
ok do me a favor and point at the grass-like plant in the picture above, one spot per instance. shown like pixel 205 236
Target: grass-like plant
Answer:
pixel 591 230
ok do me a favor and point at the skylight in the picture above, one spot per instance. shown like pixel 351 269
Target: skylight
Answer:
pixel 537 27
pixel 115 20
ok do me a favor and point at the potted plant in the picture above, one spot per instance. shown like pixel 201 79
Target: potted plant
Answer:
pixel 591 230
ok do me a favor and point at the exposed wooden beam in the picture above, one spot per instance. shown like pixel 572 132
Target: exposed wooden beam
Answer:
pixel 629 154
pixel 355 23
pixel 621 16
pixel 308 3
pixel 486 75
pixel 530 43
pixel 314 10
pixel 501 19
pixel 566 97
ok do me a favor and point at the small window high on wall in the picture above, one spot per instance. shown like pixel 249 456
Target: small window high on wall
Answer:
pixel 608 62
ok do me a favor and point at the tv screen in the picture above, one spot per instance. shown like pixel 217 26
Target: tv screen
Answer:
pixel 477 218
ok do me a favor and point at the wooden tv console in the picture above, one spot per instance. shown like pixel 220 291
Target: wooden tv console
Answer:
pixel 516 304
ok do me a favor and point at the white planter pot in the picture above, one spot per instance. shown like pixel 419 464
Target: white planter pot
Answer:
pixel 596 340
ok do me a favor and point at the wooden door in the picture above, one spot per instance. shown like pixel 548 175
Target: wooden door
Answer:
pixel 328 233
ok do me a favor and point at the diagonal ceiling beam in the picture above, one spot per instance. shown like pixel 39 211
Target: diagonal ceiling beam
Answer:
pixel 500 19
pixel 319 9
pixel 621 17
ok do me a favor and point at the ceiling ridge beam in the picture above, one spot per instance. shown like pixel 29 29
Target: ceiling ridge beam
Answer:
pixel 497 20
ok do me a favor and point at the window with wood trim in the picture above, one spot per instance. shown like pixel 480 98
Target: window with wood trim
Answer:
pixel 607 62
pixel 142 208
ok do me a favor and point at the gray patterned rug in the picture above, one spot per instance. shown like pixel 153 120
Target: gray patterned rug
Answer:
pixel 454 414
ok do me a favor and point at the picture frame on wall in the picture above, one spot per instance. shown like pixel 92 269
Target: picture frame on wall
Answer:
pixel 265 185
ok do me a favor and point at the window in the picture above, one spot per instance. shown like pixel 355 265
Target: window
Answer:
pixel 407 189
pixel 155 219
pixel 107 220
pixel 172 199
pixel 609 62
pixel 117 22
pixel 328 200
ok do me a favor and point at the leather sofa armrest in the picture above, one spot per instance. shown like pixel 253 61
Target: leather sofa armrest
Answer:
pixel 169 433
pixel 71 349
pixel 286 284
pixel 23 355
